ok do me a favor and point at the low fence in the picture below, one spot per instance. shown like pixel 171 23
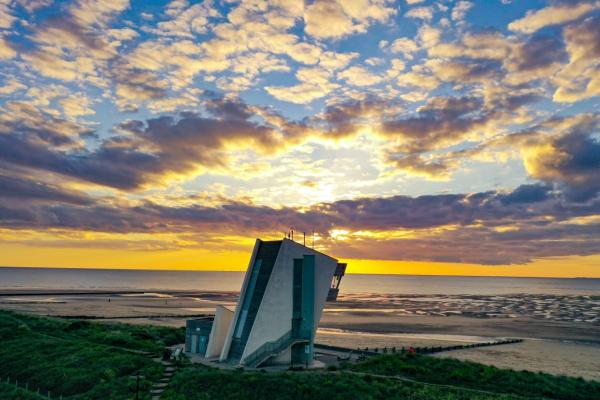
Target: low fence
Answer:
pixel 359 351
pixel 24 386
pixel 432 349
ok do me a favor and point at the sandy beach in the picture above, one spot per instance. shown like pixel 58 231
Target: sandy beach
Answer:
pixel 559 340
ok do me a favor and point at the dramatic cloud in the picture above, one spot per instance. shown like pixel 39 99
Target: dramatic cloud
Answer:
pixel 74 46
pixel 441 121
pixel 396 129
pixel 360 76
pixel 424 13
pixel 579 79
pixel 147 151
pixel 571 159
pixel 334 19
pixel 22 189
pixel 405 46
pixel 314 84
pixel 460 10
pixel 539 52
pixel 6 49
pixel 553 15
pixel 455 222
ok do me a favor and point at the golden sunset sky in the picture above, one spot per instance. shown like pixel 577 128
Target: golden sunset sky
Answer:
pixel 412 136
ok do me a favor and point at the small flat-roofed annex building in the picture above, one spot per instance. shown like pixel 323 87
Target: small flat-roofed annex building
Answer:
pixel 280 305
pixel 197 332
pixel 205 336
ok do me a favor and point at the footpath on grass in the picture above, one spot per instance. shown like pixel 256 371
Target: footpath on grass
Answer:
pixel 159 387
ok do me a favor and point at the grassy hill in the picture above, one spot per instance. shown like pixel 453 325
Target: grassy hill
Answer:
pixel 80 359
pixel 8 391
pixel 87 360
pixel 446 371
pixel 382 377
pixel 205 384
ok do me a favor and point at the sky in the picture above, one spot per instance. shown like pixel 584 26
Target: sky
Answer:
pixel 411 136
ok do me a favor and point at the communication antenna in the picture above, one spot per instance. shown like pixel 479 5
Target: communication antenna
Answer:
pixel 304 235
pixel 313 232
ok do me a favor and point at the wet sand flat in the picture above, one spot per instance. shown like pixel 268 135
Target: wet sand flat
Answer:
pixel 117 305
pixel 517 327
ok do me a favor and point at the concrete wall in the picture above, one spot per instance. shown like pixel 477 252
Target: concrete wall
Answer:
pixel 274 317
pixel 324 270
pixel 218 333
pixel 284 358
pixel 238 306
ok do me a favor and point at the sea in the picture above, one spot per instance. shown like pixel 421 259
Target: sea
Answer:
pixel 176 280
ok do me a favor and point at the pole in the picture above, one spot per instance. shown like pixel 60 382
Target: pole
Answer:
pixel 137 386
pixel 304 237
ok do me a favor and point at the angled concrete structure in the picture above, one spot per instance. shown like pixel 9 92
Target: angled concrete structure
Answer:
pixel 218 333
pixel 280 305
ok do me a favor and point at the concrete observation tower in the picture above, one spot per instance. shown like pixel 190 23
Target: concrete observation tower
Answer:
pixel 280 305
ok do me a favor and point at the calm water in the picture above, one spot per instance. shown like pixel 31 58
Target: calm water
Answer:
pixel 63 278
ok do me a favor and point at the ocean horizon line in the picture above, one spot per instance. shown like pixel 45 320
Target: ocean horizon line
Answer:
pixel 175 269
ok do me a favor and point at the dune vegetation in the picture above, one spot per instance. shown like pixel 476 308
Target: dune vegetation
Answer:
pixel 205 384
pixel 382 377
pixel 447 371
pixel 79 359
pixel 12 392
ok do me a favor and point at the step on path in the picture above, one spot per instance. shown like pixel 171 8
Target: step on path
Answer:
pixel 159 387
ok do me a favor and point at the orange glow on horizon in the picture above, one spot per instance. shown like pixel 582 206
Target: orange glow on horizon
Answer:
pixel 15 255
pixel 567 267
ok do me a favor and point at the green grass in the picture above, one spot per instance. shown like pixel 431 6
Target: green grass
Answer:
pixel 87 360
pixel 8 391
pixel 208 384
pixel 80 359
pixel 420 377
pixel 473 375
